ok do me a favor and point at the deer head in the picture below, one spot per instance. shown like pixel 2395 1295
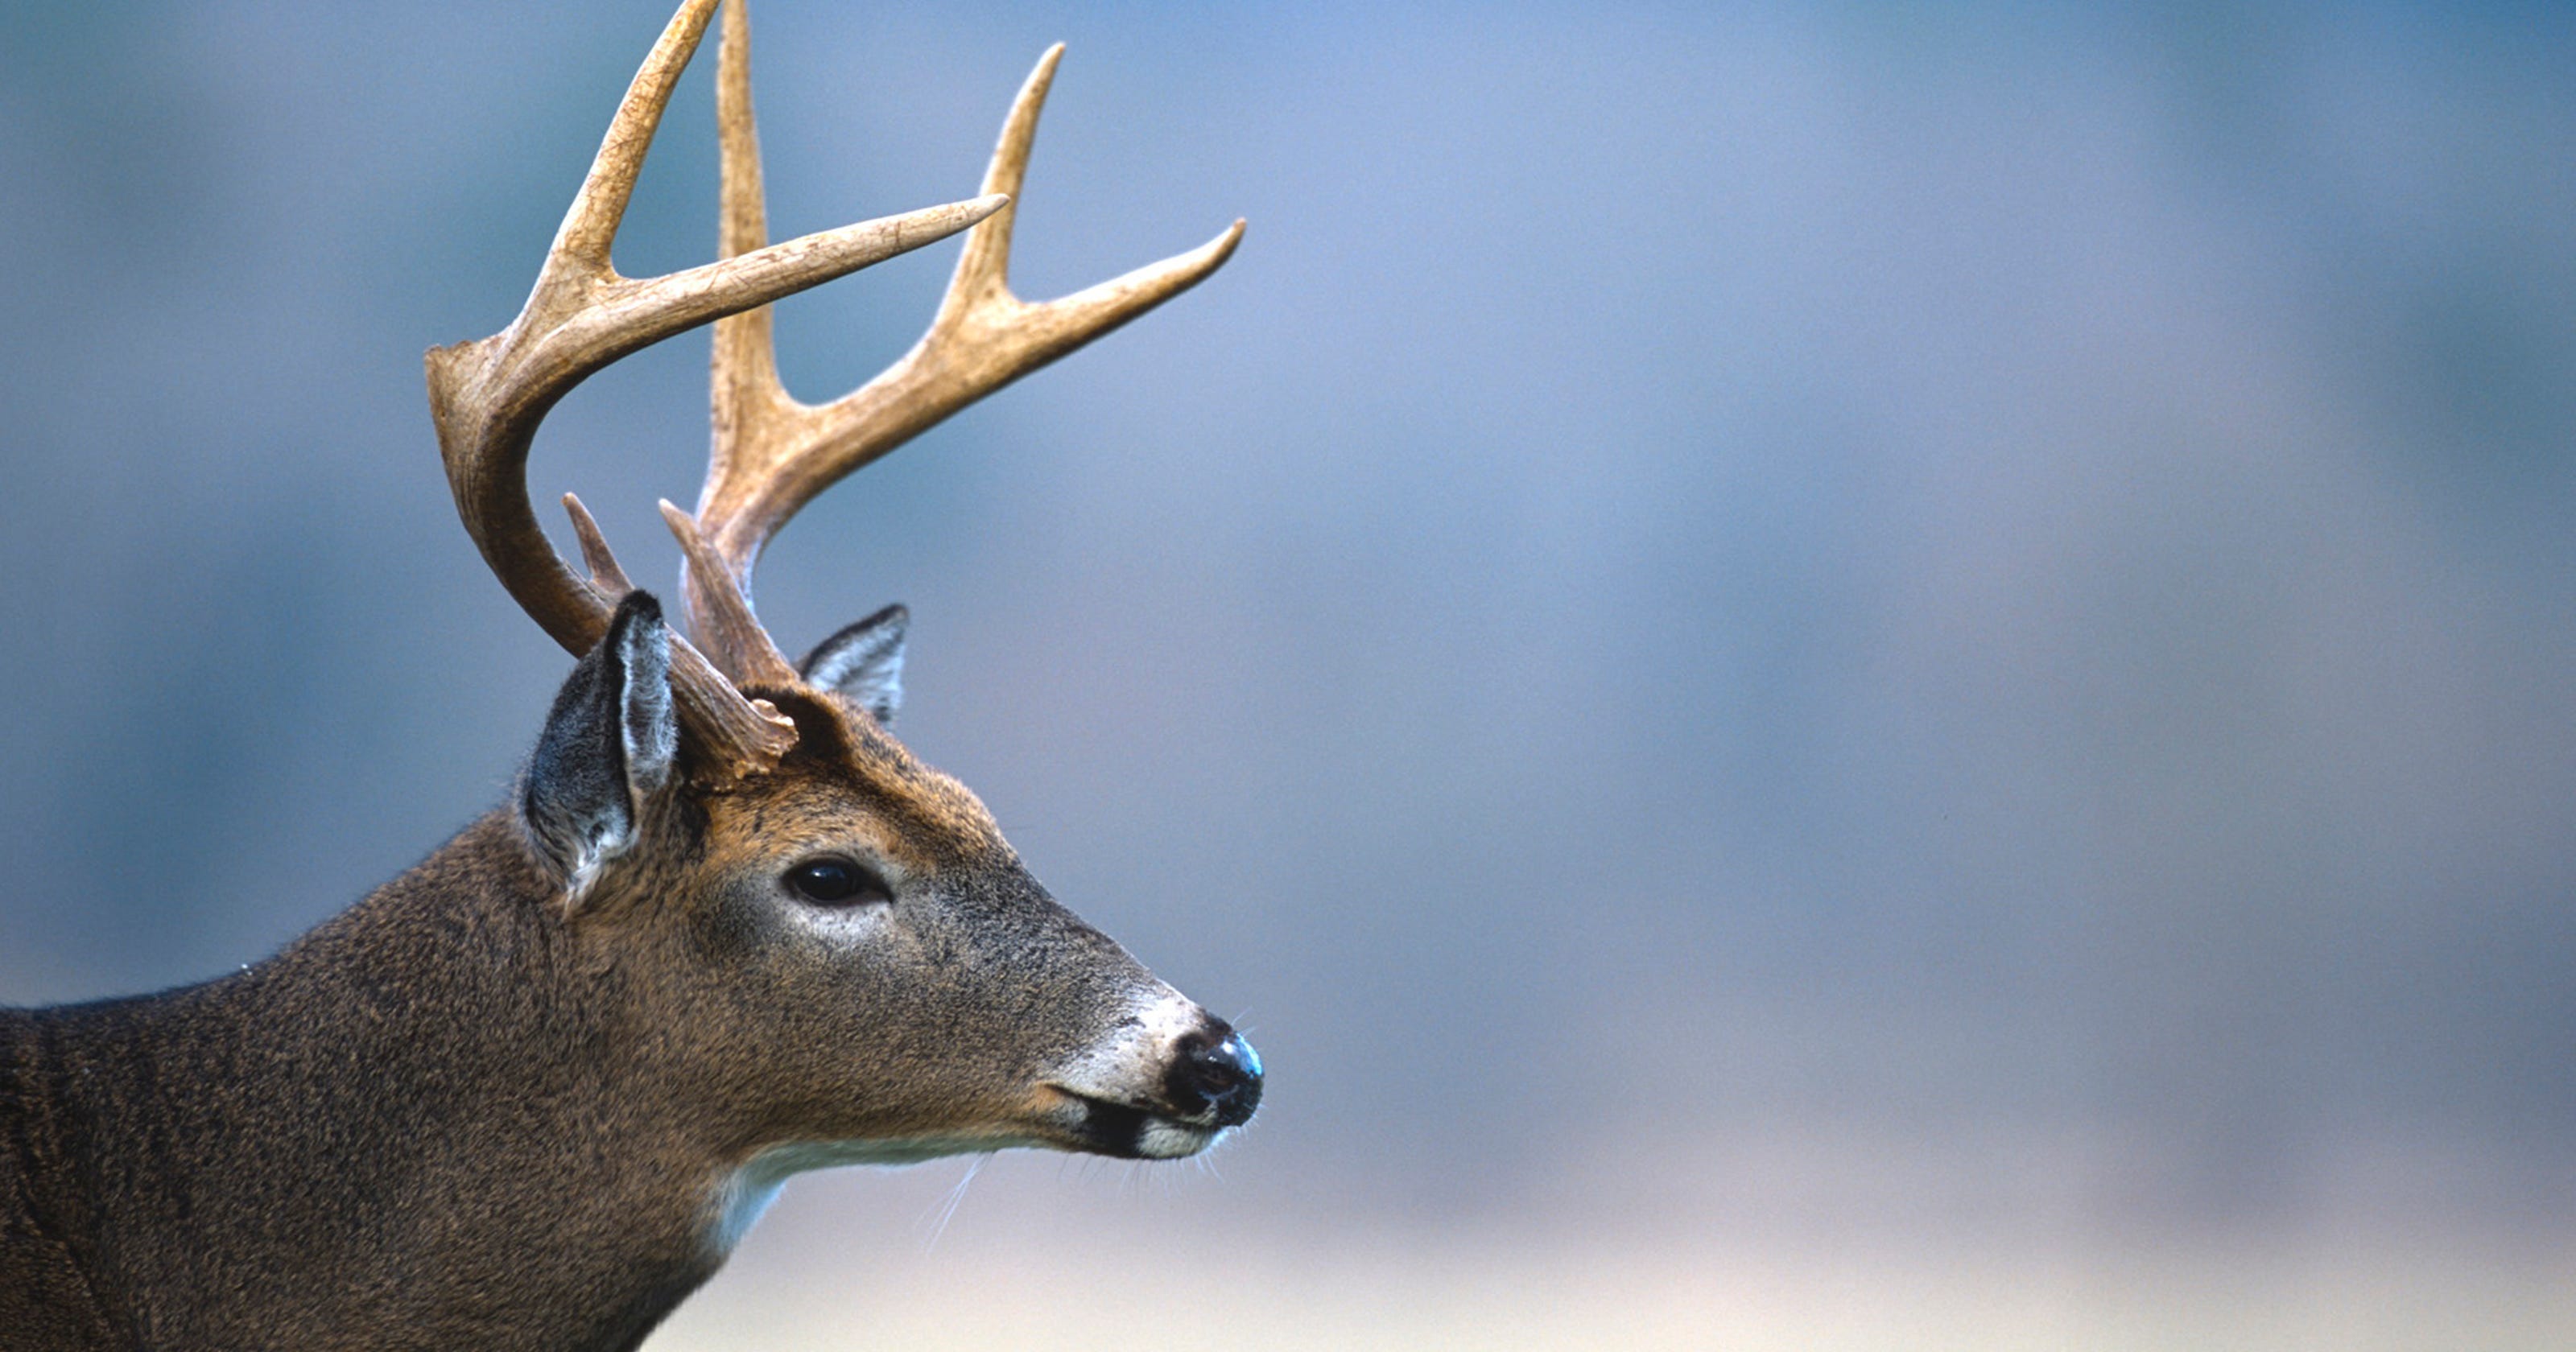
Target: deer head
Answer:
pixel 854 963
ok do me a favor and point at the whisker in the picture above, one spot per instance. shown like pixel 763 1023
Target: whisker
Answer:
pixel 957 1194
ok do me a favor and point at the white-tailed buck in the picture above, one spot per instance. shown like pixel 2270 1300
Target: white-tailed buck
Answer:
pixel 530 1093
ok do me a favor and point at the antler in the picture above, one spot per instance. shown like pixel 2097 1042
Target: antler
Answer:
pixel 487 396
pixel 773 454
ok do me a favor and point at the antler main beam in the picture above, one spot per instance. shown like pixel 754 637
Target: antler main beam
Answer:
pixel 489 395
pixel 772 454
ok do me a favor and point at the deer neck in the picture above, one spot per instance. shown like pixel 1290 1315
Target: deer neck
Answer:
pixel 421 1111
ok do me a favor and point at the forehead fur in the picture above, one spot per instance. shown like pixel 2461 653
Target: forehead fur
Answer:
pixel 935 820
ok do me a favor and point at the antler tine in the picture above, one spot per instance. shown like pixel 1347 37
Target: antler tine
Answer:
pixel 748 405
pixel 772 455
pixel 606 577
pixel 488 396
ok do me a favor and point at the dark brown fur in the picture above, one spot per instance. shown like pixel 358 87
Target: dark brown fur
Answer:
pixel 462 1114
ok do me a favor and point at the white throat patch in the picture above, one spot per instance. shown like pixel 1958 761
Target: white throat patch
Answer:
pixel 743 1196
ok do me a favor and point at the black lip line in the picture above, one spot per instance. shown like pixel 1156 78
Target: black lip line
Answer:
pixel 1116 1128
pixel 1093 1101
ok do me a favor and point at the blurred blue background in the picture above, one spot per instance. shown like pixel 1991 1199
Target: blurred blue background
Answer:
pixel 1919 652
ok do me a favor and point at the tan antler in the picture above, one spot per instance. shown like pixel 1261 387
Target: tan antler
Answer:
pixel 488 396
pixel 772 454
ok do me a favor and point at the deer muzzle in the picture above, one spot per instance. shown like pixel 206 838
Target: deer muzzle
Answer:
pixel 1171 1083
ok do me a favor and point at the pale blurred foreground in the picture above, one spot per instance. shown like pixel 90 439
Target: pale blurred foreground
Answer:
pixel 1079 1255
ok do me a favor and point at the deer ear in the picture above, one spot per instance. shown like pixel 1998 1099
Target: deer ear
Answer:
pixel 864 664
pixel 607 748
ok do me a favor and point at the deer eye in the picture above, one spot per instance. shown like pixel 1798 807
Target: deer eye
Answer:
pixel 833 881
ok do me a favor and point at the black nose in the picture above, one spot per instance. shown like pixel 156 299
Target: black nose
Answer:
pixel 1217 1074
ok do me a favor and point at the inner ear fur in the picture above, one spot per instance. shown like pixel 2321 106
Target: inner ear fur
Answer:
pixel 607 751
pixel 863 664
